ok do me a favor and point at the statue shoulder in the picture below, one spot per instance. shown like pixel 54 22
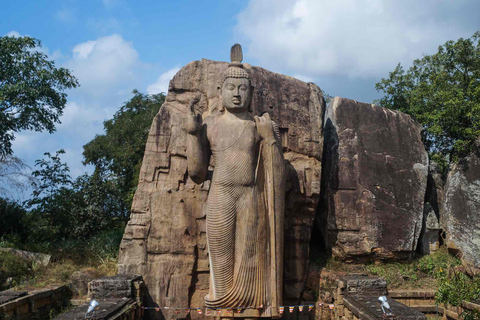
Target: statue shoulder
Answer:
pixel 209 120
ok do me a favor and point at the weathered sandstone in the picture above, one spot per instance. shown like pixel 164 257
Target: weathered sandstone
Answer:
pixel 373 183
pixel 165 239
pixel 461 209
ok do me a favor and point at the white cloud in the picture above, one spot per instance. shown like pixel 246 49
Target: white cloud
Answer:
pixel 161 85
pixel 26 142
pixel 13 33
pixel 65 15
pixel 107 71
pixel 104 64
pixel 354 38
pixel 303 77
pixel 79 117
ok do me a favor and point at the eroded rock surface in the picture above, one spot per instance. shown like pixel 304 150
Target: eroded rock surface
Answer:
pixel 461 209
pixel 165 239
pixel 374 182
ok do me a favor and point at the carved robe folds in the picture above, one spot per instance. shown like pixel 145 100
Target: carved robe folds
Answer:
pixel 245 213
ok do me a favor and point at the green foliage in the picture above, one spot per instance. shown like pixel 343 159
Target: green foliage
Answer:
pixel 14 268
pixel 328 98
pixel 442 92
pixel 455 287
pixel 49 218
pixel 63 210
pixel 83 220
pixel 396 274
pixel 96 249
pixel 31 90
pixel 120 150
pixel 471 315
pixel 437 264
pixel 12 219
pixel 417 273
pixel 97 205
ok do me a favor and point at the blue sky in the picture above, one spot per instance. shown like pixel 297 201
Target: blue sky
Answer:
pixel 115 46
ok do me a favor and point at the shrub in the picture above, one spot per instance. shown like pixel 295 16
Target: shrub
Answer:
pixel 437 264
pixel 13 270
pixel 457 286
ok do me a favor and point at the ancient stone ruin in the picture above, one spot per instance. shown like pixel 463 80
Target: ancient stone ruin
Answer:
pixel 165 240
pixel 357 177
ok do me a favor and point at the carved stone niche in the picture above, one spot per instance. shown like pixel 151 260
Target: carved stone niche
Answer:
pixel 165 239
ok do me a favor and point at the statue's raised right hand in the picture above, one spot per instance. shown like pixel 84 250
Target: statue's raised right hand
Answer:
pixel 194 121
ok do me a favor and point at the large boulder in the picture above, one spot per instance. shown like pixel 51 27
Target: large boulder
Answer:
pixel 460 217
pixel 373 184
pixel 165 239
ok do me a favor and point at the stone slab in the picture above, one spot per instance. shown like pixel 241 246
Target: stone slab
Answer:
pixel 362 284
pixel 369 308
pixel 9 295
pixel 118 286
pixel 106 309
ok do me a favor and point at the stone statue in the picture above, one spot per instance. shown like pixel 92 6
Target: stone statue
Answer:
pixel 245 206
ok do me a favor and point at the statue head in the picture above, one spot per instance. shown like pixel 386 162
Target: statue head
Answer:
pixel 236 89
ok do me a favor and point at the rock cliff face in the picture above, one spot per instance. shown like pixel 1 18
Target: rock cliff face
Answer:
pixel 165 239
pixel 374 182
pixel 461 209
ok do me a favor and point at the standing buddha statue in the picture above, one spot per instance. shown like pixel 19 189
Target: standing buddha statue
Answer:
pixel 246 200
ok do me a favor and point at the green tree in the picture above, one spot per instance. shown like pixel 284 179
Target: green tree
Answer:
pixel 442 92
pixel 97 205
pixel 12 216
pixel 120 149
pixel 51 203
pixel 66 209
pixel 32 89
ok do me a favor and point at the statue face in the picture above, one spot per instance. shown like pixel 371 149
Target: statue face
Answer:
pixel 236 94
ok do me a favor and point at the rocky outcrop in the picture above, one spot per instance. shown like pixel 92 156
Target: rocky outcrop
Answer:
pixel 461 209
pixel 165 239
pixel 374 182
pixel 41 259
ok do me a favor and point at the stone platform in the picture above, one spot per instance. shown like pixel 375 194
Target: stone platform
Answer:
pixel 120 297
pixel 6 296
pixel 356 298
pixel 108 309
pixel 369 308
pixel 35 304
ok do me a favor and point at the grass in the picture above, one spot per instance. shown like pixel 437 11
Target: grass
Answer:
pixel 97 256
pixel 418 273
pixel 13 270
pixel 429 272
pixel 60 273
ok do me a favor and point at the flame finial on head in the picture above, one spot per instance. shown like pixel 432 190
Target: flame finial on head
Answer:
pixel 236 54
pixel 235 68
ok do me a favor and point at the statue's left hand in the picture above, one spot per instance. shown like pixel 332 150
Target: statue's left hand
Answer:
pixel 194 121
pixel 264 126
